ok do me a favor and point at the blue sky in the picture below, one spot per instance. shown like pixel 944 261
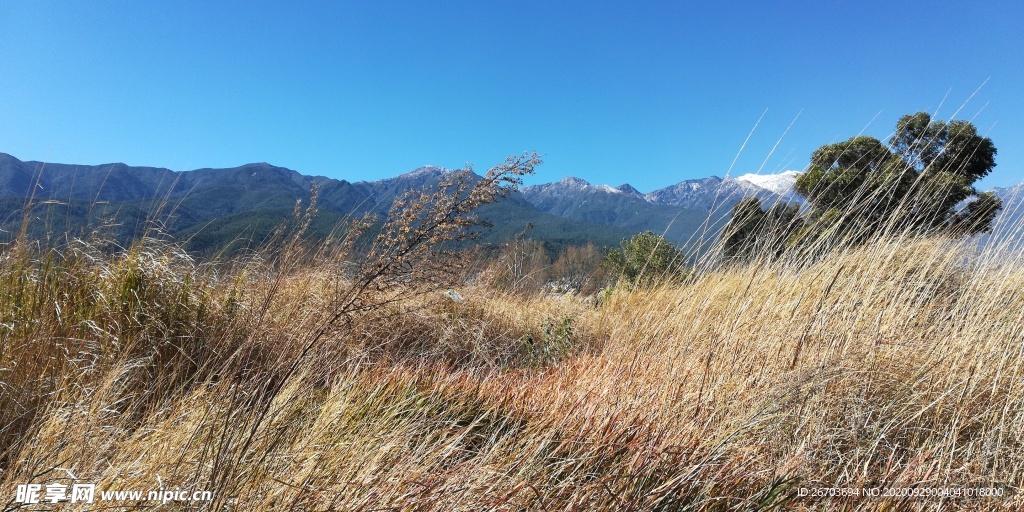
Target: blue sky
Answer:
pixel 649 93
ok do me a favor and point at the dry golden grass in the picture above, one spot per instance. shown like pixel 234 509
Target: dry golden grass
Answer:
pixel 897 364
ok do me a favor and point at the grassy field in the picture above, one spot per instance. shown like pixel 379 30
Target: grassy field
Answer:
pixel 283 380
pixel 892 365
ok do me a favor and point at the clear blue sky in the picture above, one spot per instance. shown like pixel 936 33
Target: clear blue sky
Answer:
pixel 648 93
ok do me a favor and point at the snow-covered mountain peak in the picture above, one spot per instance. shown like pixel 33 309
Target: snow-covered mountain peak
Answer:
pixel 626 188
pixel 426 170
pixel 781 183
pixel 573 181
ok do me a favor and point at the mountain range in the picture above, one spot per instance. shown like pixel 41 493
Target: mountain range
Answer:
pixel 213 209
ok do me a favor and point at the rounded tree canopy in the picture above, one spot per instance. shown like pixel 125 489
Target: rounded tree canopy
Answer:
pixel 921 179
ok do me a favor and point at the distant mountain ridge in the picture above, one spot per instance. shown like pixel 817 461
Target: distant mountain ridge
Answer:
pixel 215 206
pixel 211 208
pixel 623 206
pixel 703 194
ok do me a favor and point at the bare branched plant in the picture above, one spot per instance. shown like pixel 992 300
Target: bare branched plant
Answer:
pixel 421 222
pixel 401 262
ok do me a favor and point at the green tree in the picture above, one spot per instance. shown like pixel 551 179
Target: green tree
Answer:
pixel 753 232
pixel 917 182
pixel 645 259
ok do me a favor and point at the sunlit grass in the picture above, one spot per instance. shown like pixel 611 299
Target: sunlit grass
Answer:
pixel 896 364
